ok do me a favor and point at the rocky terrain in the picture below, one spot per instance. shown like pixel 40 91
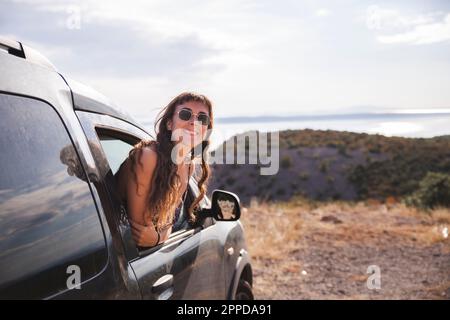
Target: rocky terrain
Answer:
pixel 309 250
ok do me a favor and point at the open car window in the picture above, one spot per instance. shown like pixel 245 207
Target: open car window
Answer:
pixel 116 146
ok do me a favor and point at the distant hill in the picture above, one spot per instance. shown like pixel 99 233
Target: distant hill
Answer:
pixel 325 165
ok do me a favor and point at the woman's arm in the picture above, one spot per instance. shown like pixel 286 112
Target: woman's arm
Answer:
pixel 143 230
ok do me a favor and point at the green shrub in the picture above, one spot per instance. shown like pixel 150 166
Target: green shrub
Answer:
pixel 342 150
pixel 330 179
pixel 434 191
pixel 324 165
pixel 304 176
pixel 286 162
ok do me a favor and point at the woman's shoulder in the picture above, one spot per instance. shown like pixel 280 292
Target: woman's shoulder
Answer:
pixel 148 157
pixel 149 152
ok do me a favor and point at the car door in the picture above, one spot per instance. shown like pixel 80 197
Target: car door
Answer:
pixel 189 264
pixel 53 241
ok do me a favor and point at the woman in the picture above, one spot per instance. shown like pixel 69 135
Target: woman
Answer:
pixel 153 180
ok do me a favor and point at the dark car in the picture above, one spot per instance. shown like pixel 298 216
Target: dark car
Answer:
pixel 64 233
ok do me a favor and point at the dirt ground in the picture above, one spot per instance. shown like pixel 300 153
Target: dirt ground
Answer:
pixel 304 250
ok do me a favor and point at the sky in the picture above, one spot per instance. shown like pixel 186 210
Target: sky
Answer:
pixel 250 58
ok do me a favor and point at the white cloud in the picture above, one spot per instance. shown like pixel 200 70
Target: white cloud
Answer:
pixel 422 34
pixel 388 19
pixel 250 57
pixel 322 12
pixel 391 26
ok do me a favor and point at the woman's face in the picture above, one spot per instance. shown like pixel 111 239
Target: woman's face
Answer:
pixel 192 130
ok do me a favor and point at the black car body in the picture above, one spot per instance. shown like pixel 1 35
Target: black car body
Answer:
pixel 61 143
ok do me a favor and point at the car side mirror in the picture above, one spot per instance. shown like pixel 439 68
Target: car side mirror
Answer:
pixel 225 206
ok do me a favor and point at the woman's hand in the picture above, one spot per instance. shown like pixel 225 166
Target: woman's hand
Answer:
pixel 144 236
pixel 147 236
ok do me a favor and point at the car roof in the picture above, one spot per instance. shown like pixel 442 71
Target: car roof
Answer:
pixel 84 97
pixel 87 99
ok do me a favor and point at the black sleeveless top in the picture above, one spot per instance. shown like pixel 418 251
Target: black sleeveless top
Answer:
pixel 180 207
pixel 183 199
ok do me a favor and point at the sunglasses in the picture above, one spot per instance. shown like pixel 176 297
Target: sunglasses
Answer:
pixel 186 114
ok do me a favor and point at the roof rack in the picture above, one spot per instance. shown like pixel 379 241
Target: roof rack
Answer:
pixel 12 47
pixel 19 50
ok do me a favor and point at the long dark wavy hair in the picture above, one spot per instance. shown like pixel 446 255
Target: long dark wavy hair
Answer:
pixel 162 199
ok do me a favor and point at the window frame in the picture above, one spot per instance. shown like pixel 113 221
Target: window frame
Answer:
pixel 113 127
pixel 174 237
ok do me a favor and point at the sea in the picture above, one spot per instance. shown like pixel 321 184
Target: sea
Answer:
pixel 402 124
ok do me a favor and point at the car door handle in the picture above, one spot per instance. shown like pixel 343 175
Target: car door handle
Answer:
pixel 163 287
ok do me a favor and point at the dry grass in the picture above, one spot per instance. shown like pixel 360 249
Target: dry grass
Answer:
pixel 441 215
pixel 437 291
pixel 275 229
pixel 280 236
pixel 272 231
